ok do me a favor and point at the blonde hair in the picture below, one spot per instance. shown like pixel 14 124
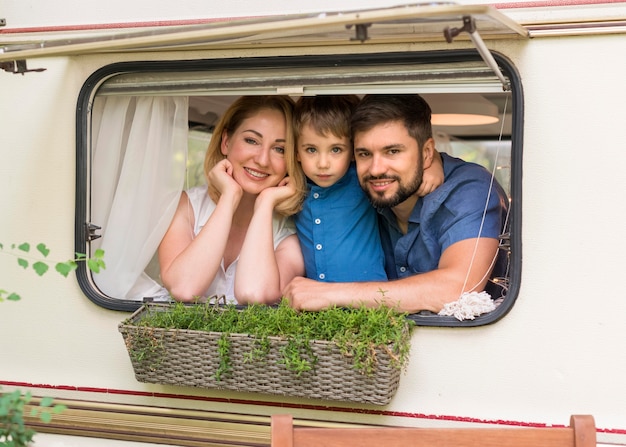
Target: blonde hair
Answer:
pixel 243 108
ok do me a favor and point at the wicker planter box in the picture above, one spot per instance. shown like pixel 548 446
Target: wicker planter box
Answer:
pixel 191 358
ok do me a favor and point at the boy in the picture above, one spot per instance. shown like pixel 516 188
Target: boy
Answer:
pixel 338 227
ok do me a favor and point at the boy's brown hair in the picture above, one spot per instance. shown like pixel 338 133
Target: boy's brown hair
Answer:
pixel 325 114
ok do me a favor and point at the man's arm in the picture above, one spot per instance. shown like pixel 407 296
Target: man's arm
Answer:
pixel 425 291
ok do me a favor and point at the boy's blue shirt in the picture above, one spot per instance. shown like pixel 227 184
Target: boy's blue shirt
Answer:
pixel 338 233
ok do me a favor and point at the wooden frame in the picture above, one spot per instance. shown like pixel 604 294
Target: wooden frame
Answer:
pixel 580 433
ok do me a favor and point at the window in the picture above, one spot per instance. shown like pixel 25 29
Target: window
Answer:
pixel 127 192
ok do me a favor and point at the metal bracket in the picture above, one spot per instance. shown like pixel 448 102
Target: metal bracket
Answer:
pixel 90 231
pixel 469 25
pixel 18 67
pixel 505 241
pixel 360 31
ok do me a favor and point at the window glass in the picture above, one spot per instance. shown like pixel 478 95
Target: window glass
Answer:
pixel 198 141
pixel 143 139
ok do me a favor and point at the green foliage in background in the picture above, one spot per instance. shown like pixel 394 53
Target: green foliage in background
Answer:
pixel 40 263
pixel 13 431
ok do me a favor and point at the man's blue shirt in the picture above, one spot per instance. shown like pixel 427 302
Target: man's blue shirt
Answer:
pixel 338 233
pixel 451 213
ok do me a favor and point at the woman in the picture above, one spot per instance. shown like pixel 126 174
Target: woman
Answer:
pixel 234 238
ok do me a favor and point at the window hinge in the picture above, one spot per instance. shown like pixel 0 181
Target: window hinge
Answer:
pixel 360 31
pixel 469 25
pixel 90 231
pixel 505 241
pixel 18 66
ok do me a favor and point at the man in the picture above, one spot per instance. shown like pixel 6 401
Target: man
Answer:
pixel 437 246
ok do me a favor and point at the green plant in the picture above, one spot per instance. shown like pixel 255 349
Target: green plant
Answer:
pixel 40 264
pixel 357 332
pixel 145 346
pixel 13 431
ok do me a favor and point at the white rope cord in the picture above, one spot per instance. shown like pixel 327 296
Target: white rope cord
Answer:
pixel 471 304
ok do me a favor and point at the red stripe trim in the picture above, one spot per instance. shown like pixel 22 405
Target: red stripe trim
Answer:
pixel 549 3
pixel 110 26
pixel 296 406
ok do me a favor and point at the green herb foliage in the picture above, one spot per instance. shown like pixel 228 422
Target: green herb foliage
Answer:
pixel 357 332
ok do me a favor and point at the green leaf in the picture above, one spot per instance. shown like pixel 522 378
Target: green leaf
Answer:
pixel 24 247
pixel 45 417
pixel 64 268
pixel 14 297
pixel 43 249
pixel 80 256
pixel 40 267
pixel 95 265
pixel 46 401
pixel 22 262
pixel 99 253
pixel 59 408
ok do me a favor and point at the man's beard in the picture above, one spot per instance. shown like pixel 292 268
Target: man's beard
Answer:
pixel 404 190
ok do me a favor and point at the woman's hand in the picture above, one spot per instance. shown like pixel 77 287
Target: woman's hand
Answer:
pixel 221 178
pixel 275 194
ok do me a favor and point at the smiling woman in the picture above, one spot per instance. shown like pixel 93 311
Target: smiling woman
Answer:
pixel 227 240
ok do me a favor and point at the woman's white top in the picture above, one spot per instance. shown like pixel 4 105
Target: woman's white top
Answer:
pixel 224 282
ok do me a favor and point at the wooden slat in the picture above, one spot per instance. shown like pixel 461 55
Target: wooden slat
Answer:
pixel 160 425
pixel 581 433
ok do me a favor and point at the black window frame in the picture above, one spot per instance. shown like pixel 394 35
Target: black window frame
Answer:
pixel 86 94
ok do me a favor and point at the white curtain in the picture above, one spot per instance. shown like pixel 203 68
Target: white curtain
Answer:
pixel 137 174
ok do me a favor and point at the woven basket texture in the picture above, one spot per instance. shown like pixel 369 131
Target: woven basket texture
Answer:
pixel 190 358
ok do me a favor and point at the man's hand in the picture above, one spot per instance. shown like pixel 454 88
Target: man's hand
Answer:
pixel 307 294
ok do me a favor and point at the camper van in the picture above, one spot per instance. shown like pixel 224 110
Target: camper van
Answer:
pixel 106 110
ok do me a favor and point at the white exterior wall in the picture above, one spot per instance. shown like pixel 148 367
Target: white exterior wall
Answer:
pixel 558 352
pixel 33 13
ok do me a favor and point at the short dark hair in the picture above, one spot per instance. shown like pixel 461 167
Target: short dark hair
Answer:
pixel 410 109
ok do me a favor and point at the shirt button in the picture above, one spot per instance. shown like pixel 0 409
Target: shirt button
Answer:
pixel 318 221
pixel 316 195
pixel 322 276
pixel 318 246
pixel 403 269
